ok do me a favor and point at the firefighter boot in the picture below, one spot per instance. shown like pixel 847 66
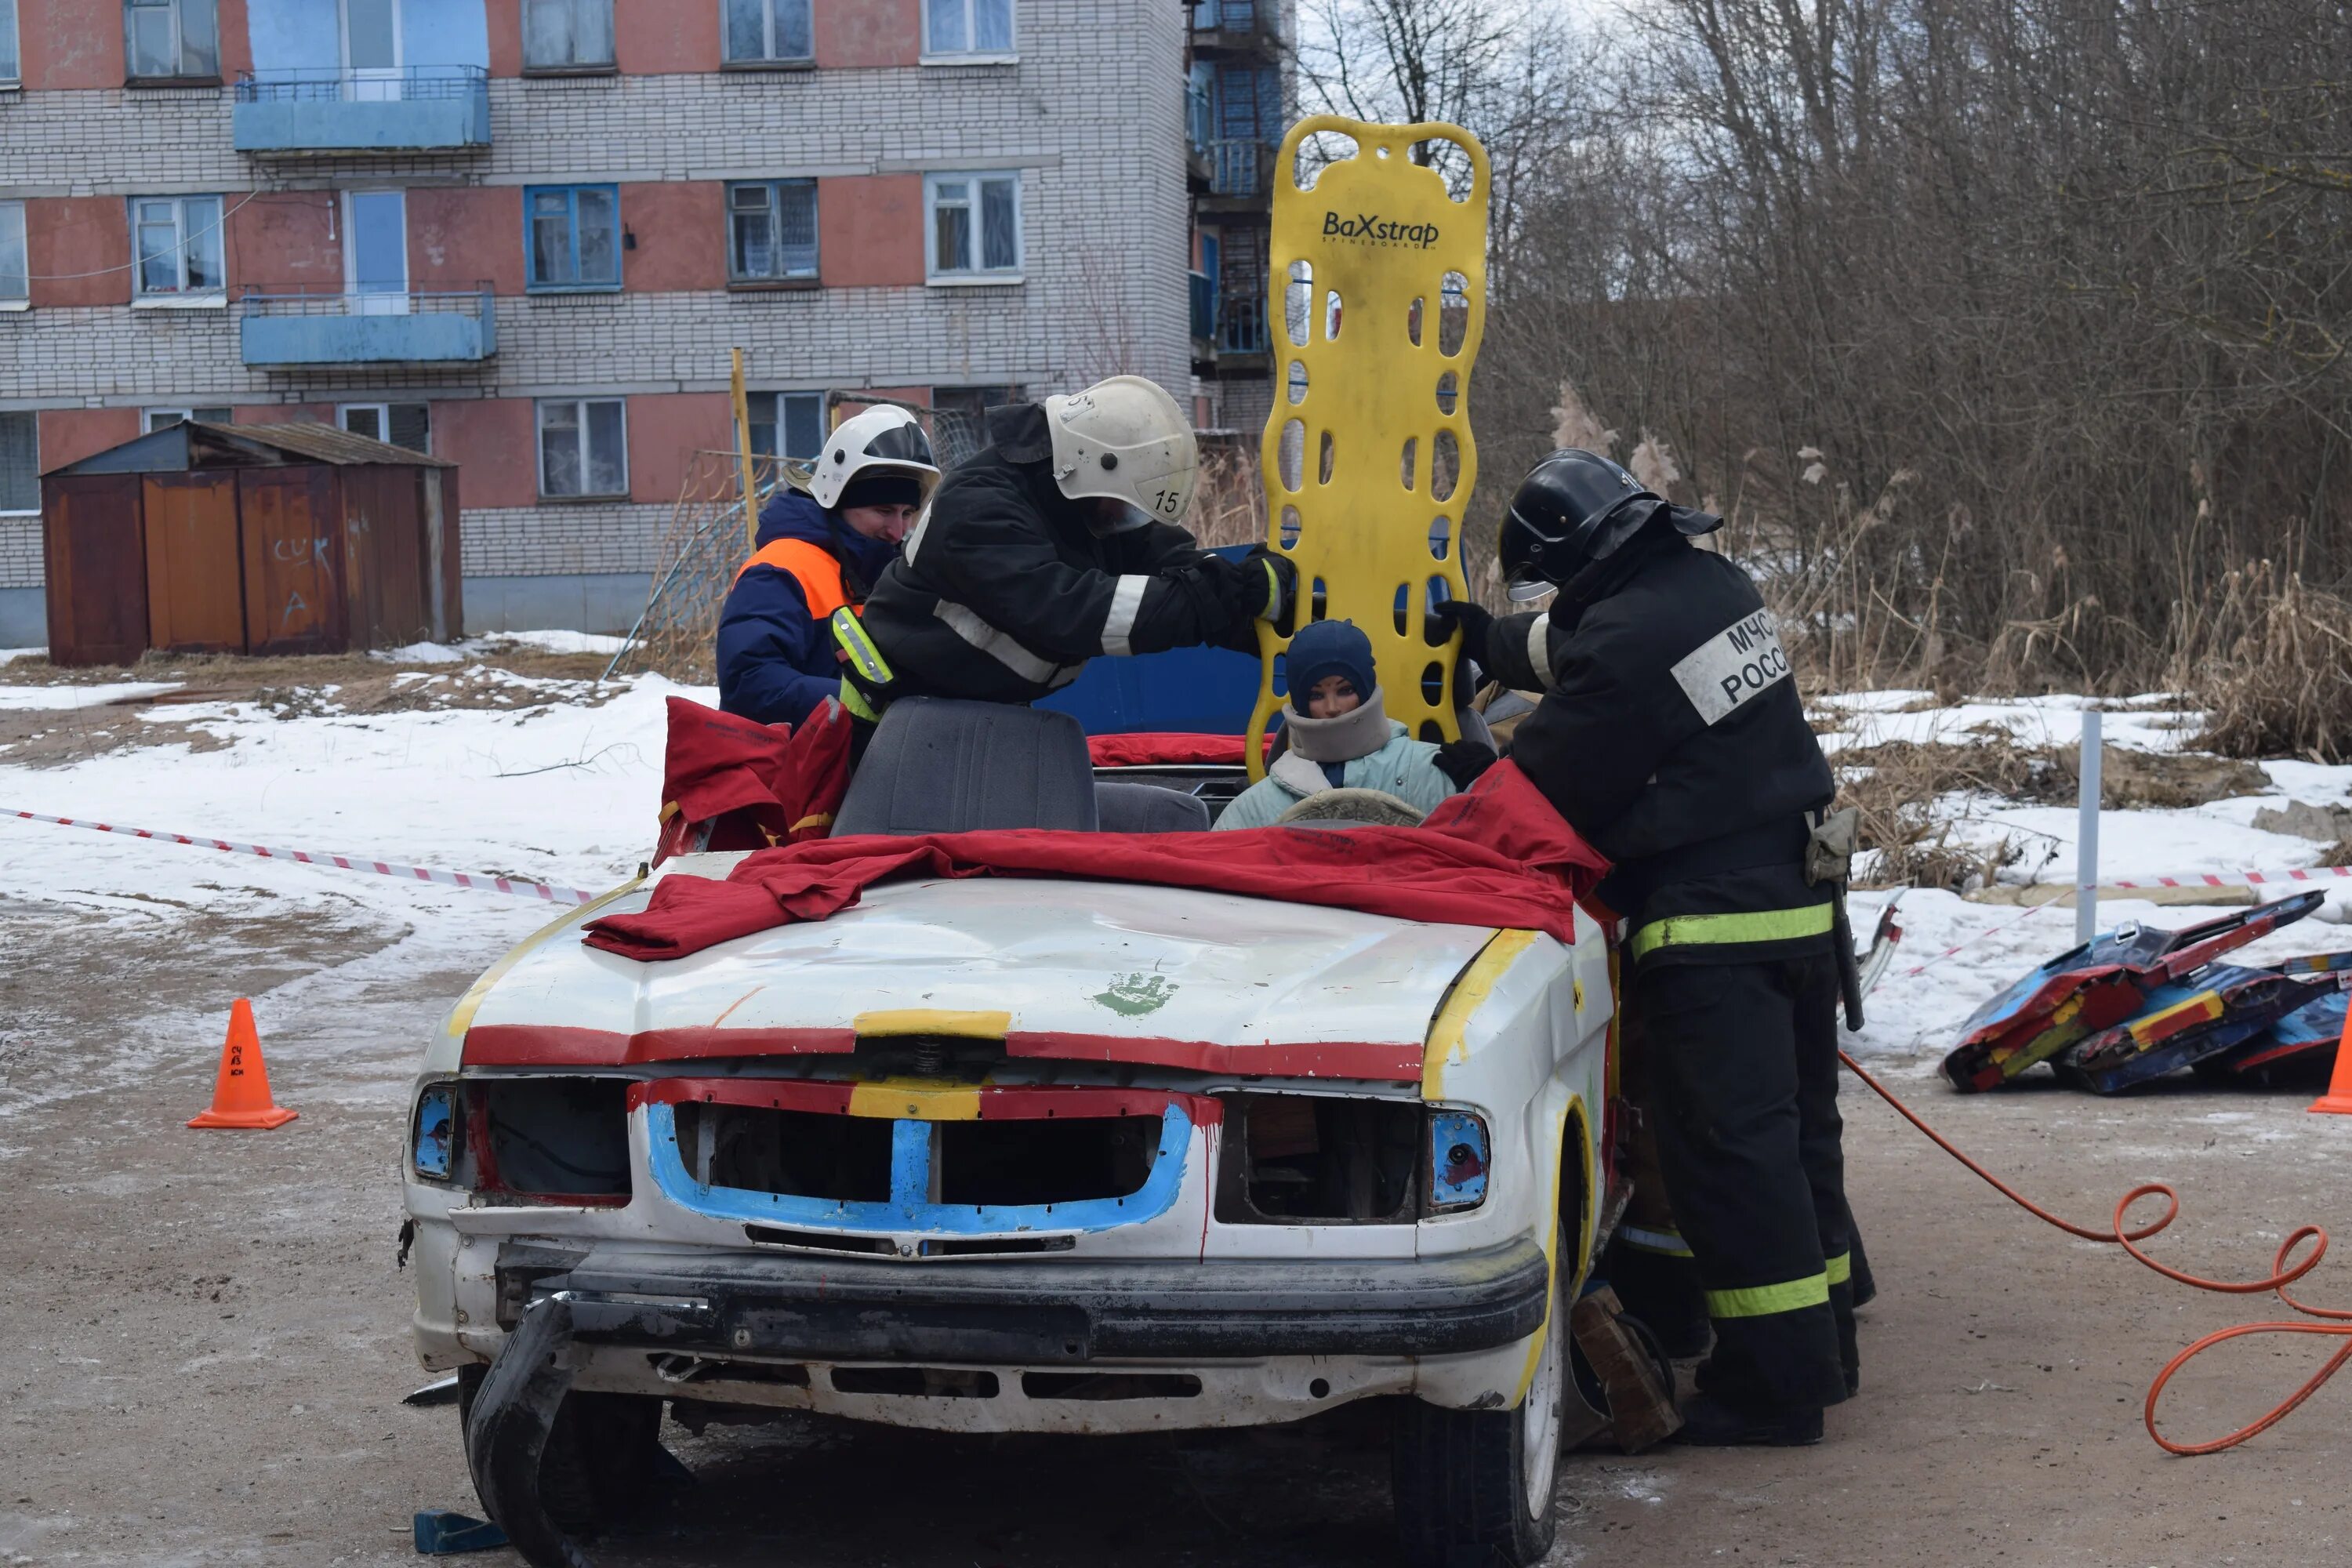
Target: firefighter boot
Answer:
pixel 1709 1422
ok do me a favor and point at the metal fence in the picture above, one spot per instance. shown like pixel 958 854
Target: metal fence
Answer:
pixel 344 84
pixel 303 300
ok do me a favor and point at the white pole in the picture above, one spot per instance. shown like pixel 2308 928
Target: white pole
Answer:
pixel 2086 833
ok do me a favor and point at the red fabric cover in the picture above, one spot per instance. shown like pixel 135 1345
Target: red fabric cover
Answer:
pixel 1142 750
pixel 756 784
pixel 1496 856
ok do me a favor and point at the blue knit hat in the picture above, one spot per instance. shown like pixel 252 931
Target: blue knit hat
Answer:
pixel 1328 647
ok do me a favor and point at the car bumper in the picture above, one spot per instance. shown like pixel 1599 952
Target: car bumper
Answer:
pixel 1037 1314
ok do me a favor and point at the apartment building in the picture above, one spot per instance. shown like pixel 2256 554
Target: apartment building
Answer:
pixel 524 235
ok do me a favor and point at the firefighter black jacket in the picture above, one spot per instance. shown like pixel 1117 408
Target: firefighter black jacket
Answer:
pixel 1671 735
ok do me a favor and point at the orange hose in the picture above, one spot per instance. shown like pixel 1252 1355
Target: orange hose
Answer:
pixel 2281 1276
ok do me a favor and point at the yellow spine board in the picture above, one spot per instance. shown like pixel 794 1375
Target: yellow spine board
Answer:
pixel 1369 251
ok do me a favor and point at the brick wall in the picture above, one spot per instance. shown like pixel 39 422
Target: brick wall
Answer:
pixel 1091 116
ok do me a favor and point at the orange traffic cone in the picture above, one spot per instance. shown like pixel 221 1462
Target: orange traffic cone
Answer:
pixel 2338 1098
pixel 241 1095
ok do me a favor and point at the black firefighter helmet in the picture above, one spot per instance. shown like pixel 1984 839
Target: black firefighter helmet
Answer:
pixel 1575 508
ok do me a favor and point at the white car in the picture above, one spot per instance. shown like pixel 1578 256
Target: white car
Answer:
pixel 1019 1156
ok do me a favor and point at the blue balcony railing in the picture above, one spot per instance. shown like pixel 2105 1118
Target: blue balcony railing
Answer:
pixel 1240 323
pixel 1240 168
pixel 1205 306
pixel 294 327
pixel 347 111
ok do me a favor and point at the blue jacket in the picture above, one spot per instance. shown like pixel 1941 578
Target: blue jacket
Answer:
pixel 776 660
pixel 1404 767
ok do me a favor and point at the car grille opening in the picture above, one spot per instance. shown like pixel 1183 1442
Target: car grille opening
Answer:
pixel 800 1154
pixel 920 1382
pixel 1060 1161
pixel 1290 1157
pixel 824 1240
pixel 550 1139
pixel 1108 1385
pixel 985 1246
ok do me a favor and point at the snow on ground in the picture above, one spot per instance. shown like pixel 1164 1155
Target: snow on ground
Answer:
pixel 477 648
pixel 25 697
pixel 556 792
pixel 559 791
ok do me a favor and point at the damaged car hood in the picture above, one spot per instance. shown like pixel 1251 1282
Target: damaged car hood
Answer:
pixel 1080 971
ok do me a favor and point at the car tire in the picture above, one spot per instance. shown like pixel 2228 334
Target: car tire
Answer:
pixel 1472 1487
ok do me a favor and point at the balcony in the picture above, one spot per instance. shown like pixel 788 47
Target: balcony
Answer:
pixel 1254 24
pixel 1240 323
pixel 1240 170
pixel 1204 307
pixel 296 328
pixel 328 111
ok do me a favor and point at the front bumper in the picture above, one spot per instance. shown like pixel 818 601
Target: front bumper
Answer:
pixel 1037 1313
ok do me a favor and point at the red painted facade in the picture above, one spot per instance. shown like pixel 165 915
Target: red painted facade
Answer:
pixel 285 241
pixel 870 231
pixel 70 43
pixel 867 33
pixel 462 236
pixel 495 445
pixel 79 250
pixel 680 230
pixel 665 432
pixel 661 39
pixel 69 434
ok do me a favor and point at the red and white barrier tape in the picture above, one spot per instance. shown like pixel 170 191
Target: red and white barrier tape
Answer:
pixel 341 862
pixel 2236 879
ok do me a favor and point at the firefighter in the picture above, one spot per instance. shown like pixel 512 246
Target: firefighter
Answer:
pixel 1671 735
pixel 1058 542
pixel 825 537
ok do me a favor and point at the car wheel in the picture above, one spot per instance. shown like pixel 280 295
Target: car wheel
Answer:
pixel 1473 1487
pixel 603 1460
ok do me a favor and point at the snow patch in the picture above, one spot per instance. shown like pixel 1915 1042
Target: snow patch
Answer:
pixel 64 697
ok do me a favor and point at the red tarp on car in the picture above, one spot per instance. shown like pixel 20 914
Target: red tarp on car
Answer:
pixel 1166 749
pixel 1496 855
pixel 752 784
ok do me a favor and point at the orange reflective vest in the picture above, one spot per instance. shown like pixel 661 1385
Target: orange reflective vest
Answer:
pixel 810 565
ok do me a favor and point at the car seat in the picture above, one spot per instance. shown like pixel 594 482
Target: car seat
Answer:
pixel 940 765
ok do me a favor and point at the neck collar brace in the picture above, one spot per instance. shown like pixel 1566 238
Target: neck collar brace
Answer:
pixel 1359 732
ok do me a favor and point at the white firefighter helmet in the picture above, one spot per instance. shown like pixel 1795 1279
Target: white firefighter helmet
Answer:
pixel 1125 439
pixel 885 439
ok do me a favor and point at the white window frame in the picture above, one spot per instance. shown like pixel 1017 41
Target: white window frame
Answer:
pixel 563 67
pixel 13 39
pixel 774 402
pixel 12 227
pixel 970 55
pixel 148 417
pixel 181 298
pixel 580 417
pixel 767 56
pixel 971 276
pixel 35 510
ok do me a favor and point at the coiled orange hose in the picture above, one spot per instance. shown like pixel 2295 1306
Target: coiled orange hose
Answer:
pixel 2281 1275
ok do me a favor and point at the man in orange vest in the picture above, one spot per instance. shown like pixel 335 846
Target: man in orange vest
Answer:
pixel 825 538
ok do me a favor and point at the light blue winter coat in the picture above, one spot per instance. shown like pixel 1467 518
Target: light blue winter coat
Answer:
pixel 1405 768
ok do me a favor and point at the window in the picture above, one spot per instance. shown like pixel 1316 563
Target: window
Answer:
pixel 567 34
pixel 968 28
pixel 406 424
pixel 975 226
pixel 575 235
pixel 164 418
pixel 799 415
pixel 14 274
pixel 178 239
pixel 760 32
pixel 771 230
pixel 10 69
pixel 583 448
pixel 169 38
pixel 20 463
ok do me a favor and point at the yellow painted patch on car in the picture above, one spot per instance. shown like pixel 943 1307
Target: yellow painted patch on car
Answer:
pixel 963 1025
pixel 916 1099
pixel 1448 1036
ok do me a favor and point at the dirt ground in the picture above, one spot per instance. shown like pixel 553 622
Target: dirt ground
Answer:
pixel 207 1341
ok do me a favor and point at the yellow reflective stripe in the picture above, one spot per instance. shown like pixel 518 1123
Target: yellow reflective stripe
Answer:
pixel 1273 593
pixel 1664 1243
pixel 851 635
pixel 1840 1269
pixel 855 700
pixel 1758 925
pixel 1763 1300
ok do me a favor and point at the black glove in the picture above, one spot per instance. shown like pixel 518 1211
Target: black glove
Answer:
pixel 1279 574
pixel 1474 620
pixel 1464 761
